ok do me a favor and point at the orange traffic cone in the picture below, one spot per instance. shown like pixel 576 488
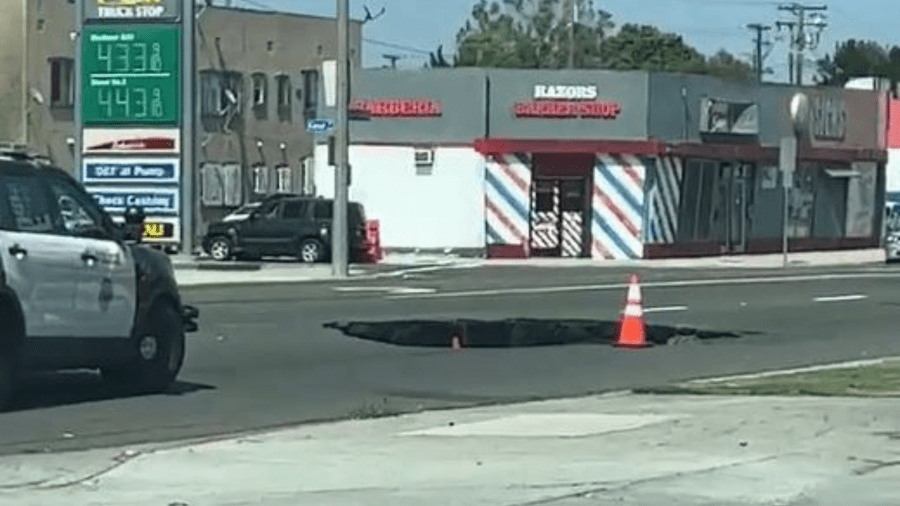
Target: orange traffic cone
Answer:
pixel 632 330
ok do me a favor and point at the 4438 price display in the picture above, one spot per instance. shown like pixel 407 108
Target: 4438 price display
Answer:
pixel 131 75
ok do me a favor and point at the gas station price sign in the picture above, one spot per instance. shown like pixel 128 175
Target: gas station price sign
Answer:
pixel 131 75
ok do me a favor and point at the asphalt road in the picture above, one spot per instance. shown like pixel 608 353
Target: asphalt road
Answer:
pixel 262 358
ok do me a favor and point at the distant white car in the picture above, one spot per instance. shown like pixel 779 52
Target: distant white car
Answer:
pixel 241 213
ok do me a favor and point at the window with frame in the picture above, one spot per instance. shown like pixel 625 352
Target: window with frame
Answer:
pixel 261 179
pixel 220 93
pixel 62 82
pixel 29 205
pixel 260 83
pixel 311 95
pixel 285 180
pixel 284 91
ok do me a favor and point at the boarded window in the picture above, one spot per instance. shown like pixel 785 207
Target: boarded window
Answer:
pixel 62 82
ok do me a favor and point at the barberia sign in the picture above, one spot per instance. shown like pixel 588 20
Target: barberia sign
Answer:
pixel 397 108
pixel 566 101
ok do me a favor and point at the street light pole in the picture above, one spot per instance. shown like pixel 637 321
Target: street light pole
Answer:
pixel 339 229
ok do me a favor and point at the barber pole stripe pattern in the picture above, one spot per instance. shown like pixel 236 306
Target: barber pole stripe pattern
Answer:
pixel 665 199
pixel 572 234
pixel 618 208
pixel 545 224
pixel 507 184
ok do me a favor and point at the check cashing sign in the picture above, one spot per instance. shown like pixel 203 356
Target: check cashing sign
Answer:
pixel 130 109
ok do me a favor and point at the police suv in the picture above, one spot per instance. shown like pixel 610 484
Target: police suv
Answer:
pixel 77 290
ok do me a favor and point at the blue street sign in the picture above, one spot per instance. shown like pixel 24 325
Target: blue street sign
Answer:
pixel 161 201
pixel 130 170
pixel 319 126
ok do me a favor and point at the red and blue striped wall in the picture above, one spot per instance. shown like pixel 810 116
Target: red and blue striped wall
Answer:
pixel 507 186
pixel 634 202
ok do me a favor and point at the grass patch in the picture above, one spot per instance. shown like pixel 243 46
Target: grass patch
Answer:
pixel 881 380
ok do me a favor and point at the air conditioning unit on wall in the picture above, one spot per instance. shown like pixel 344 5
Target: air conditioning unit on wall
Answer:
pixel 424 157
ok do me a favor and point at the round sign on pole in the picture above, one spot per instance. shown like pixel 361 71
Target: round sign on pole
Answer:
pixel 800 113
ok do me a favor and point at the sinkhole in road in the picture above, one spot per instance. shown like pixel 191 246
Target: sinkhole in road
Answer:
pixel 515 332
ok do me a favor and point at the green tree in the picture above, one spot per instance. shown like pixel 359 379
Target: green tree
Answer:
pixel 531 34
pixel 644 47
pixel 859 58
pixel 725 65
pixel 535 34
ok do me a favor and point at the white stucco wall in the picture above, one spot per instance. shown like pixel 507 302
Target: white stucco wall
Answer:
pixel 892 181
pixel 442 210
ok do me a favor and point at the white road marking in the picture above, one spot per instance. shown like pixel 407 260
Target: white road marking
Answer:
pixel 666 309
pixel 653 284
pixel 399 290
pixel 841 298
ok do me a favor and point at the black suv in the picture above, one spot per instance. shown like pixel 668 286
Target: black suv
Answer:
pixel 77 291
pixel 285 225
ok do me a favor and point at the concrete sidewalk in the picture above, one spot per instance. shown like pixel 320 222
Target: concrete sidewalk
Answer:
pixel 617 449
pixel 206 272
pixel 768 261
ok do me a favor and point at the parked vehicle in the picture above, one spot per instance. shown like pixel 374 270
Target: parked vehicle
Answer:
pixel 892 233
pixel 285 225
pixel 77 290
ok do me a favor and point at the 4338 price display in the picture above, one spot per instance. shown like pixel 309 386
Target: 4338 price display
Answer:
pixel 131 75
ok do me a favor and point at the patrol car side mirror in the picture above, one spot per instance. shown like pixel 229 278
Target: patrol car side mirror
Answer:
pixel 134 216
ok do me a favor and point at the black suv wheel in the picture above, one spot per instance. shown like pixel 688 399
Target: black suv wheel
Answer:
pixel 160 354
pixel 311 251
pixel 220 249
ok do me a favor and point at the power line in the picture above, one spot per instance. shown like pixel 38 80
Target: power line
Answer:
pixel 801 40
pixel 397 46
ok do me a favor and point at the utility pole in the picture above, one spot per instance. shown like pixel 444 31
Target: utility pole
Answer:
pixel 572 11
pixel 339 236
pixel 758 58
pixel 801 41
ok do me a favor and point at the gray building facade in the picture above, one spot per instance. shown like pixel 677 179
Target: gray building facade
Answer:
pixel 619 165
pixel 257 84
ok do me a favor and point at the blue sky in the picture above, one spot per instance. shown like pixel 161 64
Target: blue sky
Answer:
pixel 708 25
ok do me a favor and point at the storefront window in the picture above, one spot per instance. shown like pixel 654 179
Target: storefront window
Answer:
pixel 697 216
pixel 802 202
pixel 861 199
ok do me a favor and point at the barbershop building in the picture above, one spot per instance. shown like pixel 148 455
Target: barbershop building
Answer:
pixel 608 165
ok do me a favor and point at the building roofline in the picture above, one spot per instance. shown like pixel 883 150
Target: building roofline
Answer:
pixel 272 12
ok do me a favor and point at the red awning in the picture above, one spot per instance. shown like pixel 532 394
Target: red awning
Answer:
pixel 499 146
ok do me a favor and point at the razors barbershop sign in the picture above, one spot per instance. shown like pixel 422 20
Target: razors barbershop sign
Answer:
pixel 553 101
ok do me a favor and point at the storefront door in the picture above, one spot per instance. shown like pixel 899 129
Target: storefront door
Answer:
pixel 733 188
pixel 558 218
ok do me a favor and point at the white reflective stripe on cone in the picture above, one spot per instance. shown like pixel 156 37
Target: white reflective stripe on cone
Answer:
pixel 634 310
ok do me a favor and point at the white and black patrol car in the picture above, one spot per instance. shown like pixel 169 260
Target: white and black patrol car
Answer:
pixel 77 290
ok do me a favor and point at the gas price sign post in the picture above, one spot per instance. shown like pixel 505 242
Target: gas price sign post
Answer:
pixel 133 142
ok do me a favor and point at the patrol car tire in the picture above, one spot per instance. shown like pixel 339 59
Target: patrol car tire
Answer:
pixel 160 354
